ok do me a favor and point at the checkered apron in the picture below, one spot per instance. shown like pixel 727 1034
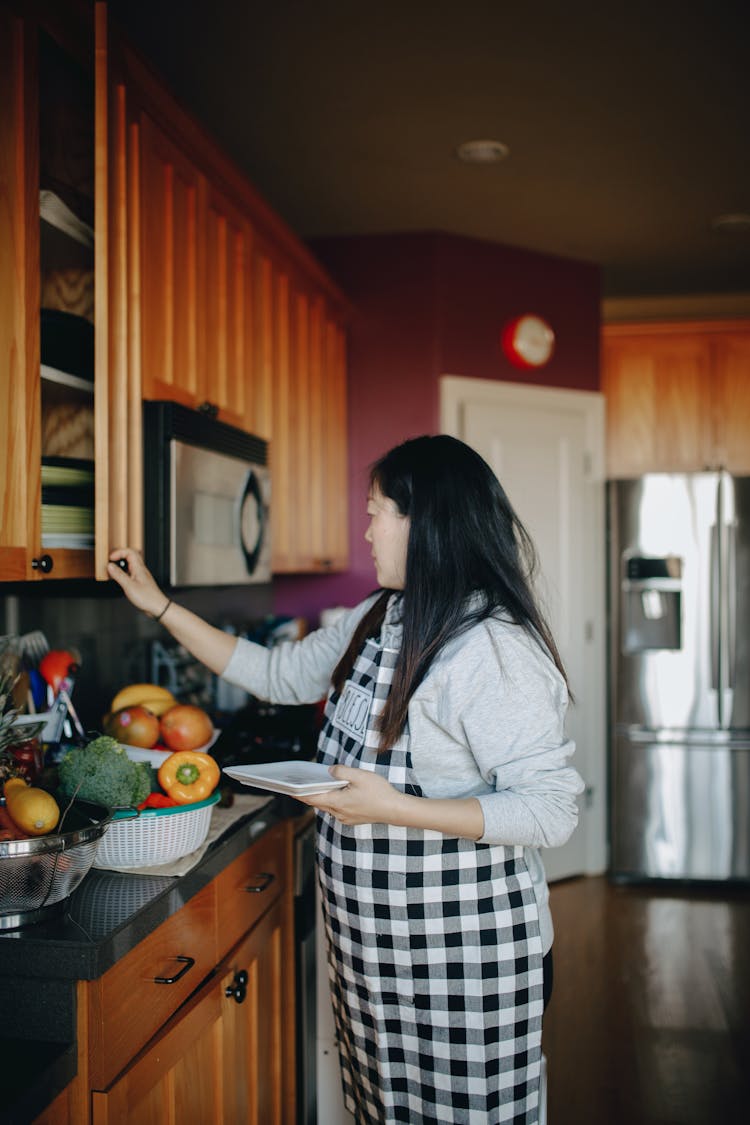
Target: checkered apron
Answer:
pixel 434 952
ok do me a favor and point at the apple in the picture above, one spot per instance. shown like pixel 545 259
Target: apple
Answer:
pixel 185 727
pixel 135 726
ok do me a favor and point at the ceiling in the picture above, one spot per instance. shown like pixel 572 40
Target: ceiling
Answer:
pixel 627 124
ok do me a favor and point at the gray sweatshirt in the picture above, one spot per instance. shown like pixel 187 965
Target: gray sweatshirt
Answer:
pixel 486 722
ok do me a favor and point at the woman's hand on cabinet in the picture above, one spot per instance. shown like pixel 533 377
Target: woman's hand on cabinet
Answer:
pixel 136 580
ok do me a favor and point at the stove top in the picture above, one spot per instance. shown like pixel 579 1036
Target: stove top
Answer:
pixel 266 732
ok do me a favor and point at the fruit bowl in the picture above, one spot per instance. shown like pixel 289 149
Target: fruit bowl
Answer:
pixel 39 873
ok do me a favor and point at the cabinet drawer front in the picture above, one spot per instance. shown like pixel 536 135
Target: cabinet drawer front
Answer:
pixel 132 1001
pixel 246 888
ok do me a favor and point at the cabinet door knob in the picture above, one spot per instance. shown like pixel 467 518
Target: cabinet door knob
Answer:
pixel 209 409
pixel 43 563
pixel 237 990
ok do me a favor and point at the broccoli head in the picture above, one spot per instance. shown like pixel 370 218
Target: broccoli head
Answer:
pixel 102 772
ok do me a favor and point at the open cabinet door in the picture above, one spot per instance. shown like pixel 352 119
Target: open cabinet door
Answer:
pixel 546 446
pixel 118 418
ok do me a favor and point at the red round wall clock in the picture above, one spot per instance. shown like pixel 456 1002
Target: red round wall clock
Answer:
pixel 528 341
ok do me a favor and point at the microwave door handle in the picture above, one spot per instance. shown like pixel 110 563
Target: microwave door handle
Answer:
pixel 252 493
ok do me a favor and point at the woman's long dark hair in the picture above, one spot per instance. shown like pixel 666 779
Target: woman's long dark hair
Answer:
pixel 464 539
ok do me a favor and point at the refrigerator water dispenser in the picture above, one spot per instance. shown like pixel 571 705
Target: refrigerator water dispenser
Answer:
pixel 651 603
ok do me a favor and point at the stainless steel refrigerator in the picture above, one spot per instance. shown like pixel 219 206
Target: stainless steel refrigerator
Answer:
pixel 679 562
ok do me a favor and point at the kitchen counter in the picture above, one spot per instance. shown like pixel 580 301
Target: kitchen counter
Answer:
pixel 105 918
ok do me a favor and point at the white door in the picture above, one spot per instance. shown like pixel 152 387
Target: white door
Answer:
pixel 546 447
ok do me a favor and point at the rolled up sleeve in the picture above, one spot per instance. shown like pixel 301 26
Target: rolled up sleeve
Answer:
pixel 294 671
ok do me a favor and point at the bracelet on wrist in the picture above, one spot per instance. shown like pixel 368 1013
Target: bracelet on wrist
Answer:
pixel 166 607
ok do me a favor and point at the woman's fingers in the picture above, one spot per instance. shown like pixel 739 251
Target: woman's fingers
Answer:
pixel 135 579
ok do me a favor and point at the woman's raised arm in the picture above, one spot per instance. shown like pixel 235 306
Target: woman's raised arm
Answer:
pixel 210 645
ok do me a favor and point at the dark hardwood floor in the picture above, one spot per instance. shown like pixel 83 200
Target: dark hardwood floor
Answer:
pixel 649 1021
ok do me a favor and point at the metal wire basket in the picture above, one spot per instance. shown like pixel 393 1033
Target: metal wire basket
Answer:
pixel 38 874
pixel 155 836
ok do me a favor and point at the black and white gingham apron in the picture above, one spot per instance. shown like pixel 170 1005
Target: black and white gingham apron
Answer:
pixel 434 953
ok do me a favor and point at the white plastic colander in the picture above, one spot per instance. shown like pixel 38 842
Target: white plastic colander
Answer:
pixel 155 836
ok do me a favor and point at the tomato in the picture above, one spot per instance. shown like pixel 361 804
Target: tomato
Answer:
pixel 55 666
pixel 158 801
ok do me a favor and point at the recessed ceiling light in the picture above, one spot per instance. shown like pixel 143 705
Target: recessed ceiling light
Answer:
pixel 734 222
pixel 482 152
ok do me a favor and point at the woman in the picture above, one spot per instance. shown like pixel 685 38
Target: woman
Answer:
pixel 445 712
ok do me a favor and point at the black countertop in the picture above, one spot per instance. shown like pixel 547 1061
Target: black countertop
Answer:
pixel 110 912
pixel 106 917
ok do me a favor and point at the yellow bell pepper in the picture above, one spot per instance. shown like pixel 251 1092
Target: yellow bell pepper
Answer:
pixel 188 776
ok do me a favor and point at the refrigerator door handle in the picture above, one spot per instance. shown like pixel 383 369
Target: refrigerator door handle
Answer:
pixel 731 603
pixel 715 606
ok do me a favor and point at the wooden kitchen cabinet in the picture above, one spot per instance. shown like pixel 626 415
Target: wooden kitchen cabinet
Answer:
pixel 731 383
pixel 201 295
pixel 196 280
pixel 228 369
pixel 217 1044
pixel 232 314
pixel 309 453
pixel 678 397
pixel 166 209
pixel 58 136
pixel 253 1020
pixel 178 1078
pixel 56 125
pixel 246 888
pixel 221 1057
pixel 147 986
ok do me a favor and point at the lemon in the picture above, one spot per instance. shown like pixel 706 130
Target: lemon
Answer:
pixel 34 811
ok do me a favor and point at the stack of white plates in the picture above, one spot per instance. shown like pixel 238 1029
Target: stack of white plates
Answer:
pixel 65 522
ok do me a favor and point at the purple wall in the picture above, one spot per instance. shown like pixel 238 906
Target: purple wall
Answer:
pixel 481 285
pixel 430 305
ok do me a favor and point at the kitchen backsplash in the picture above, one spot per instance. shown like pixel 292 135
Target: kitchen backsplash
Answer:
pixel 112 637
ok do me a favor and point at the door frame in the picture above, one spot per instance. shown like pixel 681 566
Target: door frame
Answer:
pixel 454 391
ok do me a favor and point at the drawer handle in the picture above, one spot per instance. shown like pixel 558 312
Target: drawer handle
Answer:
pixel 187 964
pixel 266 878
pixel 237 990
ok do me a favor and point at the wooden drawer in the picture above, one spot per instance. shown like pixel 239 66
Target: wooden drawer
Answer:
pixel 131 1002
pixel 246 888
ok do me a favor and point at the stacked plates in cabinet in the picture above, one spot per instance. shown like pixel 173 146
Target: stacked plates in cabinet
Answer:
pixel 67 503
pixel 67 374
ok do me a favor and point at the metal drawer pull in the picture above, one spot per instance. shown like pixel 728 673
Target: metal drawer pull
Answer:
pixel 187 964
pixel 237 990
pixel 266 877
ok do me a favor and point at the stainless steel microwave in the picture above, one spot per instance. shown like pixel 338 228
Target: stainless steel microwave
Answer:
pixel 207 499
